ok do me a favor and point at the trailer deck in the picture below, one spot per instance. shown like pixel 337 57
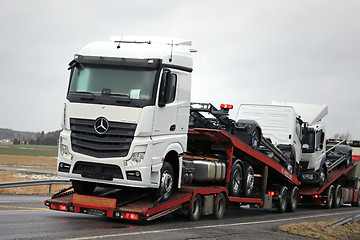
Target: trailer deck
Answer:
pixel 334 175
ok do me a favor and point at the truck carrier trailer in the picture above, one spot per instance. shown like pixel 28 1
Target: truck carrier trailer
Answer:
pixel 280 192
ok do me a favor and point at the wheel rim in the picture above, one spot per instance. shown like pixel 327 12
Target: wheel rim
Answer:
pixel 330 197
pixel 166 182
pixel 250 182
pixel 322 176
pixel 254 139
pixel 236 180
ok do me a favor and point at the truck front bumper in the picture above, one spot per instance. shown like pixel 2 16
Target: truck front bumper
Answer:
pixel 309 177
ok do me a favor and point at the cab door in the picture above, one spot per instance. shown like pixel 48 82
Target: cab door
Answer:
pixel 166 107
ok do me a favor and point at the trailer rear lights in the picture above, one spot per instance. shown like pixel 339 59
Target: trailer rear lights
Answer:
pixel 316 196
pixel 130 216
pixel 58 207
pixel 273 193
pixel 226 106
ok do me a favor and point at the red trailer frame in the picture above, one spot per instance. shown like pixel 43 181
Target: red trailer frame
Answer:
pixel 130 206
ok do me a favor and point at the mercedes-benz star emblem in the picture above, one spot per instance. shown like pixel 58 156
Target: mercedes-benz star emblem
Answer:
pixel 101 125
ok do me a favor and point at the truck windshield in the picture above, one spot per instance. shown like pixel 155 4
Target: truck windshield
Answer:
pixel 112 85
pixel 308 141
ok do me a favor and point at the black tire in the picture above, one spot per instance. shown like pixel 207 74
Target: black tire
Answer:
pixel 329 198
pixel 293 199
pixel 166 184
pixel 357 203
pixel 322 176
pixel 220 206
pixel 348 159
pixel 248 183
pixel 255 139
pixel 283 199
pixel 337 196
pixel 81 187
pixel 195 208
pixel 236 178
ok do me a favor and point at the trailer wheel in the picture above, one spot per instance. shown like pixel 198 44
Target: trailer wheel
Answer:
pixel 81 187
pixel 283 199
pixel 195 208
pixel 337 196
pixel 235 183
pixel 166 183
pixel 357 203
pixel 293 199
pixel 330 197
pixel 248 184
pixel 220 206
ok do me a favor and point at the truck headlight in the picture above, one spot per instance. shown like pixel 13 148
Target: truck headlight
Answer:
pixel 135 159
pixel 64 149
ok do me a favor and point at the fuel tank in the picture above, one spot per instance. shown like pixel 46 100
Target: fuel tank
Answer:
pixel 209 171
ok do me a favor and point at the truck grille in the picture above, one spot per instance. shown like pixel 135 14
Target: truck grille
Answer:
pixel 114 143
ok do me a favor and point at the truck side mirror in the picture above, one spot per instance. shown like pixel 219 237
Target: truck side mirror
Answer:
pixel 166 88
pixel 320 147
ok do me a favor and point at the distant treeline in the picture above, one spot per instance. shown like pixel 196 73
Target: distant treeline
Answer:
pixel 38 138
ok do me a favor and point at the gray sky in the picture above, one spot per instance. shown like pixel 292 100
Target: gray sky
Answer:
pixel 248 52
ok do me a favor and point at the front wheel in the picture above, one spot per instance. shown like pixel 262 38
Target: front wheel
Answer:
pixel 166 184
pixel 322 176
pixel 255 138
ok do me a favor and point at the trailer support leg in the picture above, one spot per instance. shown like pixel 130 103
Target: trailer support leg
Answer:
pixel 264 181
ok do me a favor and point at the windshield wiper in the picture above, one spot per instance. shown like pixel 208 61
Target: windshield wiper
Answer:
pixel 124 98
pixel 93 96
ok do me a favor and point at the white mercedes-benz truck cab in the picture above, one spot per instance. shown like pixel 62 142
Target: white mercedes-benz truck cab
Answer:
pixel 126 114
pixel 281 125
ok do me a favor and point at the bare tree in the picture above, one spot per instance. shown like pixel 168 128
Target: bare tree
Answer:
pixel 343 136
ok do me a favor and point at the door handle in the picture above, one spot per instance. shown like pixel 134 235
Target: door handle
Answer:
pixel 172 128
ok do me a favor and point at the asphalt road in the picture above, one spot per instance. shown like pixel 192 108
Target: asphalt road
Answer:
pixel 25 217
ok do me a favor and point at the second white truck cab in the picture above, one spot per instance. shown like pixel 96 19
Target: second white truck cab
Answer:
pixel 126 114
pixel 281 125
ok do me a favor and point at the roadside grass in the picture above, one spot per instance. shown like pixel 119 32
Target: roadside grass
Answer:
pixel 28 150
pixel 17 176
pixel 318 230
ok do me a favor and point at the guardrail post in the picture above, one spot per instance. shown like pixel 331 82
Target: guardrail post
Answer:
pixel 50 186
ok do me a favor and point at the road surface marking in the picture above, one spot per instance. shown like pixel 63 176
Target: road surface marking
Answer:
pixel 20 209
pixel 24 210
pixel 207 226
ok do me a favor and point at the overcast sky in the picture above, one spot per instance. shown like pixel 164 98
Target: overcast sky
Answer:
pixel 248 52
